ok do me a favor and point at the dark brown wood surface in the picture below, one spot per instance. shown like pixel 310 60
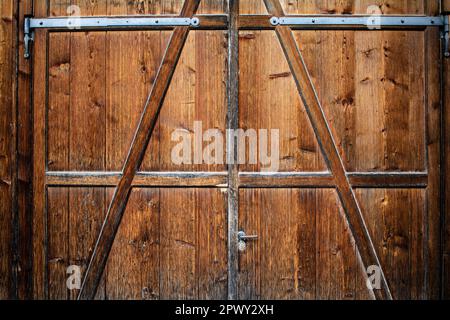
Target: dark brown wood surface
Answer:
pixel 8 179
pixel 380 92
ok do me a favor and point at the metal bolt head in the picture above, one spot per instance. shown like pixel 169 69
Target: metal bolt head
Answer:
pixel 274 21
pixel 195 22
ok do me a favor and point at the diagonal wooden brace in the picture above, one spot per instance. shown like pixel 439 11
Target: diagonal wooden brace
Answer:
pixel 328 147
pixel 136 155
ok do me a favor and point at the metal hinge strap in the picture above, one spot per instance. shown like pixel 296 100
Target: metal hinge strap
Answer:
pixel 88 23
pixel 369 21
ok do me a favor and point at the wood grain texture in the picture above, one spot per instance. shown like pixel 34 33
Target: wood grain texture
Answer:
pixel 269 100
pixel 397 221
pixel 433 143
pixel 58 135
pixel 232 147
pixel 446 144
pixel 445 6
pixel 342 7
pixel 197 94
pixel 324 136
pixel 304 249
pixel 88 109
pixel 135 156
pixel 39 221
pixel 193 257
pixel 7 149
pixel 24 158
pixel 380 96
pixel 362 82
pixel 135 7
pixel 133 266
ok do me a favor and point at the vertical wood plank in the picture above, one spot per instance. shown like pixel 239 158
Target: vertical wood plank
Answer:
pixel 87 136
pixel 58 246
pixel 131 70
pixel 370 141
pixel 58 7
pixel 133 266
pixel 178 244
pixel 58 159
pixel 446 6
pixel 87 111
pixel 252 7
pixel 25 157
pixel 336 270
pixel 403 104
pixel 232 123
pixel 446 164
pixel 248 284
pixel 333 76
pixel 211 247
pixel 433 142
pixel 390 216
pixel 213 7
pixel 39 160
pixel 269 100
pixel 7 150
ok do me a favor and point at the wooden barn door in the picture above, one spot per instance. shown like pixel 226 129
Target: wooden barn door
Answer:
pixel 90 89
pixel 374 129
pixel 358 181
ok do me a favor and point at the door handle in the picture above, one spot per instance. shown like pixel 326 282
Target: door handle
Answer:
pixel 243 238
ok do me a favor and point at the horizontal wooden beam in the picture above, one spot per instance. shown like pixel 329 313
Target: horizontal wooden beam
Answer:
pixel 142 179
pixel 246 179
pixel 285 180
pixel 389 180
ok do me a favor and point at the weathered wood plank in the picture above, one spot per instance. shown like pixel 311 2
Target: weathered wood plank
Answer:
pixel 446 167
pixel 8 180
pixel 133 265
pixel 232 120
pixel 304 249
pixel 342 7
pixel 58 129
pixel 246 179
pixel 58 245
pixel 260 108
pixel 193 244
pixel 146 179
pixel 24 151
pixel 212 249
pixel 333 76
pixel 433 157
pixel 88 111
pixel 390 215
pixel 39 165
pixel 249 268
pixel 445 6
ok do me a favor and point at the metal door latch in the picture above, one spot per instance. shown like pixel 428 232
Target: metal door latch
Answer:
pixel 243 239
pixel 28 38
pixel 445 36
